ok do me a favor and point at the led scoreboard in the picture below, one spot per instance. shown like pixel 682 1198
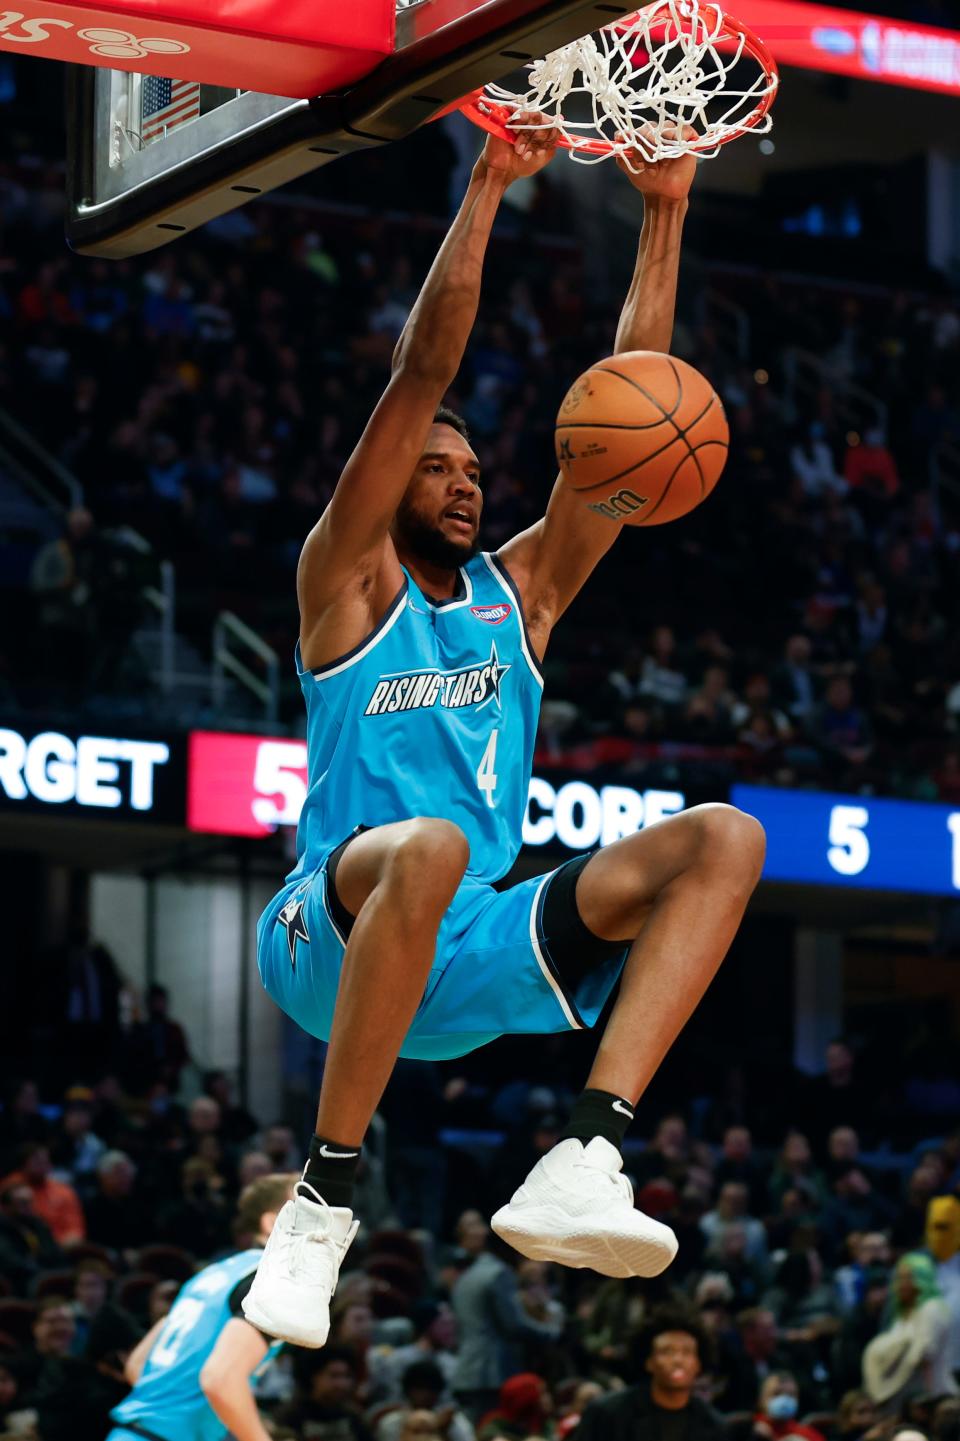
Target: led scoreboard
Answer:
pixel 835 840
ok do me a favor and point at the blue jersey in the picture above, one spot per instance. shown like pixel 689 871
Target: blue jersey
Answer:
pixel 433 714
pixel 168 1400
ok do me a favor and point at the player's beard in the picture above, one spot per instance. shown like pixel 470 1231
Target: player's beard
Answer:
pixel 429 544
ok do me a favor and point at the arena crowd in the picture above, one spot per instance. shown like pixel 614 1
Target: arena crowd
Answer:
pixel 801 628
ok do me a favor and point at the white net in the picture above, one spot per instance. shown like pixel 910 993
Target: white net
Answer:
pixel 654 84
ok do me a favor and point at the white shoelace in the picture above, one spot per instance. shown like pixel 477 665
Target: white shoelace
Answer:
pixel 622 1184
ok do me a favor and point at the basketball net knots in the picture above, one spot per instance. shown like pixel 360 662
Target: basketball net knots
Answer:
pixel 645 88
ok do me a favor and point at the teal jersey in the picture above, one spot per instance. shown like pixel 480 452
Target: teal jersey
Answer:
pixel 433 714
pixel 168 1400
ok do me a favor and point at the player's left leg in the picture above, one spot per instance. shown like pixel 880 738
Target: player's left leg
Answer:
pixel 680 889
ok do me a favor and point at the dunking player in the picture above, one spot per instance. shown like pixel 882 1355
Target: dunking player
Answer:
pixel 420 661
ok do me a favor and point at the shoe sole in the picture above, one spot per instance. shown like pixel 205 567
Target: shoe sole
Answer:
pixel 313 1340
pixel 536 1235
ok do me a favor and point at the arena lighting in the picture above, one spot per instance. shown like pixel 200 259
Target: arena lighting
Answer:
pixel 846 42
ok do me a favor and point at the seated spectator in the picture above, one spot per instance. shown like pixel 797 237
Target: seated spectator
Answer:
pixel 101 1325
pixel 812 462
pixel 802 1301
pixel 21 1122
pixel 661 678
pixel 117 1216
pixel 731 1209
pixel 434 1341
pixel 777 1408
pixel 54 1202
pixel 76 1150
pixel 325 1396
pixel 521 1413
pixel 870 470
pixel 855 1205
pixel 26 1242
pixel 867 1251
pixel 198 1220
pixel 759 1354
pixel 795 1165
pixel 738 1163
pixel 757 700
pixel 668 1358
pixel 858 1329
pixel 72 1398
pixel 793 687
pixel 236 1123
pixel 423 1388
pixel 910 1354
pixel 840 726
pixel 856 1416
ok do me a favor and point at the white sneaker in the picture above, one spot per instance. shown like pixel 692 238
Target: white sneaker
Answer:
pixel 298 1271
pixel 575 1208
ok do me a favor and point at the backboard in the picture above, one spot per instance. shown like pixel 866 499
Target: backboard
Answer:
pixel 149 159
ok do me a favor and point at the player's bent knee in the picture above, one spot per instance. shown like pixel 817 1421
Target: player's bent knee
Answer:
pixel 730 835
pixel 431 854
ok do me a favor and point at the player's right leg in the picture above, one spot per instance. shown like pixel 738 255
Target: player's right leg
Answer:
pixel 396 882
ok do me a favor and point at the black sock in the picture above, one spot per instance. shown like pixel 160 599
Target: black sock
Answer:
pixel 332 1171
pixel 599 1113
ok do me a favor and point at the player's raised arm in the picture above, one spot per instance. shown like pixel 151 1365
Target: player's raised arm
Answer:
pixel 552 560
pixel 349 537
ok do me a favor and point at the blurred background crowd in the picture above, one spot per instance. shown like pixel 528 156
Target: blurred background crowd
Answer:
pixel 208 396
pixel 816 1293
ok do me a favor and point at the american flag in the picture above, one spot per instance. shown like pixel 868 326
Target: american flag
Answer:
pixel 166 104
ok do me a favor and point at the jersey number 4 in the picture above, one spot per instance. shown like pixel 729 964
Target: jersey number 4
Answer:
pixel 486 774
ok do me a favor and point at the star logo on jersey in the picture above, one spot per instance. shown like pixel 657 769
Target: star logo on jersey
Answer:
pixel 469 685
pixel 291 918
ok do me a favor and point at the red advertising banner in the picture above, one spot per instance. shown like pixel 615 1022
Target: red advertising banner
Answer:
pixel 280 47
pixel 846 42
pixel 244 785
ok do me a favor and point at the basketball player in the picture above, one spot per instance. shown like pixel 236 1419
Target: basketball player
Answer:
pixel 420 662
pixel 191 1373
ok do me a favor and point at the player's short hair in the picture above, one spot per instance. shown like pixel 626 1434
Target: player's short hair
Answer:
pixel 671 1318
pixel 446 416
pixel 266 1193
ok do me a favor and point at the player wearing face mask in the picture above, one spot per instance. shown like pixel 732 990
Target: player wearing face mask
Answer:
pixel 776 1416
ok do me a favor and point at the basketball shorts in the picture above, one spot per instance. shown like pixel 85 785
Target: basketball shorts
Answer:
pixel 514 962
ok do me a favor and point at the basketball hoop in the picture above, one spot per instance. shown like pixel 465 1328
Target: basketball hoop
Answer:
pixel 648 79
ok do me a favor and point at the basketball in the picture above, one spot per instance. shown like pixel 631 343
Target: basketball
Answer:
pixel 642 436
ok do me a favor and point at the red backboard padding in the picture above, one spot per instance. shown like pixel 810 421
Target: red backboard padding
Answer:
pixel 298 48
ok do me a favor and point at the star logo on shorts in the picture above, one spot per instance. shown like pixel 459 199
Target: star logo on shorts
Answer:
pixel 291 918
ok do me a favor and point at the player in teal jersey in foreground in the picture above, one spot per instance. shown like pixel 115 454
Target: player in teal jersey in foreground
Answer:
pixel 419 660
pixel 191 1373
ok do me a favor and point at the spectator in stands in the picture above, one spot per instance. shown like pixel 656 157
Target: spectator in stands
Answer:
pixel 732 1209
pixel 669 1355
pixel 26 1242
pixel 858 1328
pixel 854 1206
pixel 837 1097
pixel 840 727
pixel 795 1166
pixel 198 1220
pixel 738 1163
pixel 777 1408
pixel 160 1042
pixel 793 686
pixel 856 1416
pixel 434 1340
pixel 116 1215
pixel 943 1243
pixel 325 1396
pixel 423 1390
pixel 101 1325
pixel 812 462
pixel 236 1125
pixel 521 1412
pixel 870 472
pixel 910 1353
pixel 492 1323
pixel 21 1121
pixel 802 1301
pixel 758 1356
pixel 55 1202
pixel 71 1397
pixel 76 1150
pixel 661 678
pixel 868 1250
pixel 279 1144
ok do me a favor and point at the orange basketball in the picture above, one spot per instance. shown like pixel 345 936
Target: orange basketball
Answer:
pixel 642 436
